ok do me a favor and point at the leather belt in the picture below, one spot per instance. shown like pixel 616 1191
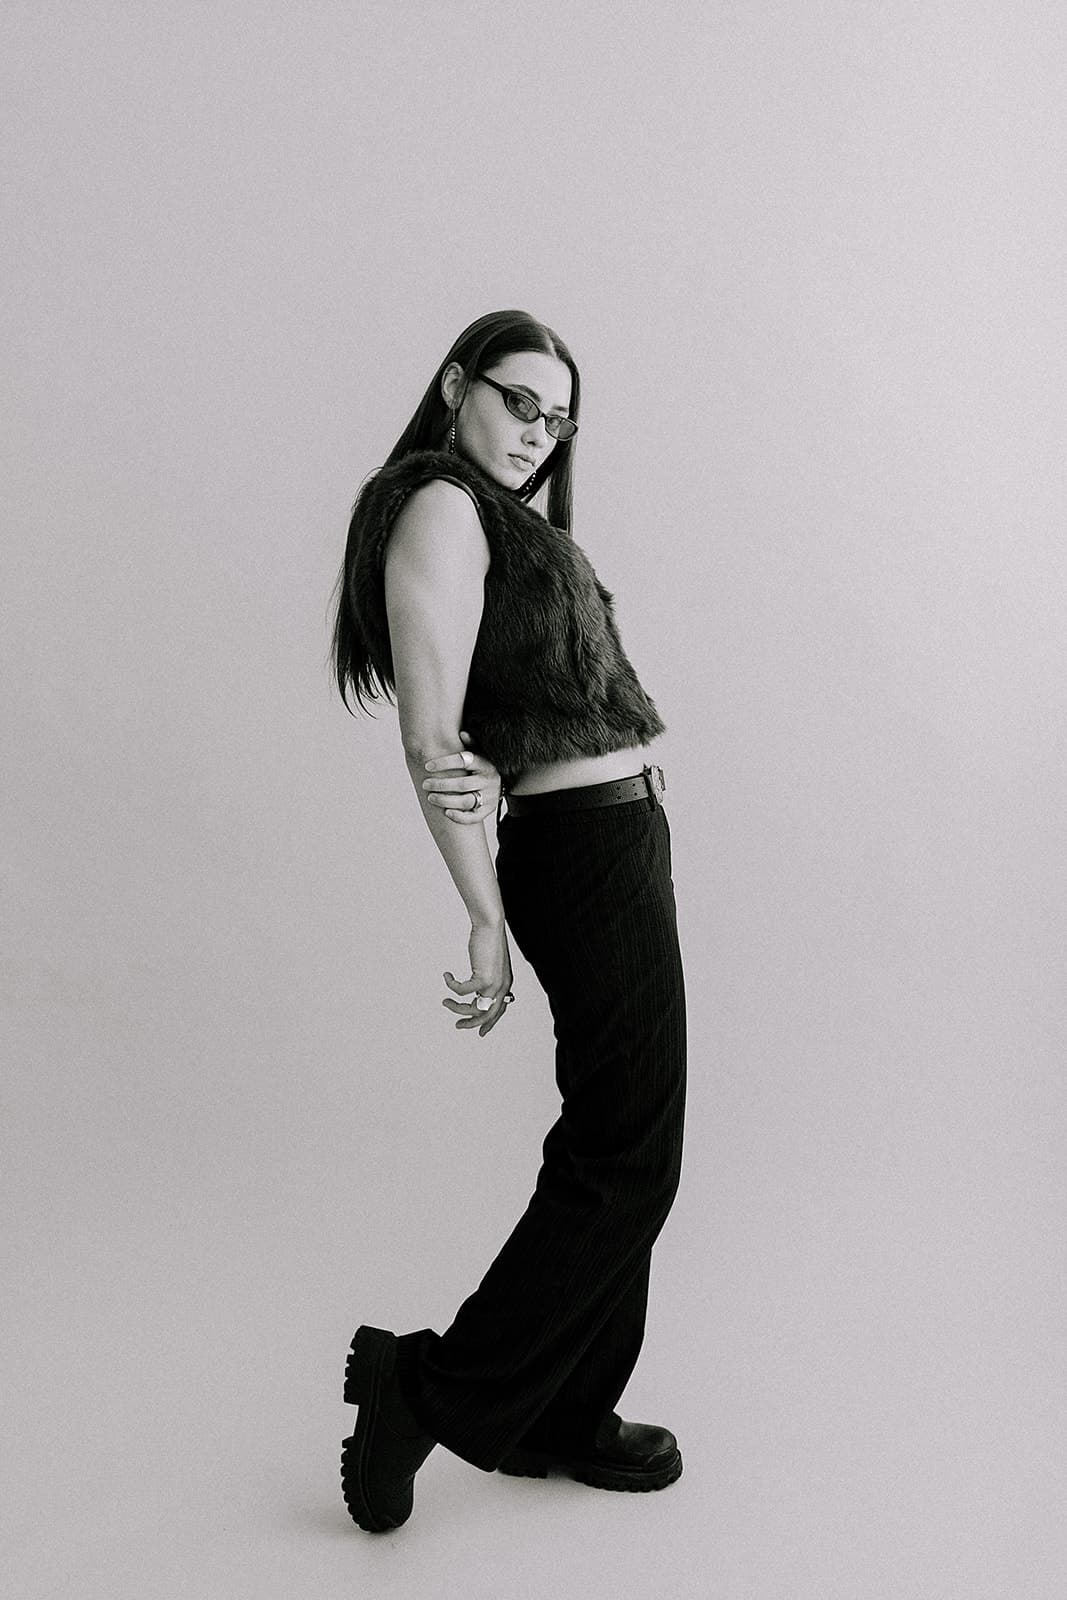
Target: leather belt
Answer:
pixel 649 783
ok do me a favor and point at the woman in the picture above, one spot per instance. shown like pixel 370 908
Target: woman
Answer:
pixel 490 625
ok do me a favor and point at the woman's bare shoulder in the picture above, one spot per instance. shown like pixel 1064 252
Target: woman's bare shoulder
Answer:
pixel 440 514
pixel 445 496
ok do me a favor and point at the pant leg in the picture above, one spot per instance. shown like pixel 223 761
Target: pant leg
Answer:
pixel 589 901
pixel 581 1414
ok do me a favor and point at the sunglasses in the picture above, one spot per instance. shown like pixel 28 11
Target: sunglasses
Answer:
pixel 527 410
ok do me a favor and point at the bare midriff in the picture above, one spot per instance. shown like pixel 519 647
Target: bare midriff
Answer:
pixel 578 771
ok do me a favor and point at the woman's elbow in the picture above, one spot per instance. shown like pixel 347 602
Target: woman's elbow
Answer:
pixel 424 741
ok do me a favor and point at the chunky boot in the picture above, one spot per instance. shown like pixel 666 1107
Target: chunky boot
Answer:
pixel 639 1457
pixel 380 1460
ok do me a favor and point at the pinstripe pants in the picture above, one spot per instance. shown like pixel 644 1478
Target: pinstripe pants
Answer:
pixel 540 1353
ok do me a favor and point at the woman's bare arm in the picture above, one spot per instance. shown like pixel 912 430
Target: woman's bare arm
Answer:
pixel 435 567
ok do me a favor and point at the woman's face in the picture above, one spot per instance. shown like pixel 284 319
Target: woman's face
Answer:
pixel 505 447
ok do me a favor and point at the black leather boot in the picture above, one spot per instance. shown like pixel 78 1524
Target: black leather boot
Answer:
pixel 380 1460
pixel 638 1457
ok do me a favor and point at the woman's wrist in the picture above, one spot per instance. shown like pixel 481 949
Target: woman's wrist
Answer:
pixel 466 854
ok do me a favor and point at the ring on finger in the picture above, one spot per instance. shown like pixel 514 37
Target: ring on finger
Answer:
pixel 477 798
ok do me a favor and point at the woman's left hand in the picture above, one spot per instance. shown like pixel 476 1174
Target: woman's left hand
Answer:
pixel 459 780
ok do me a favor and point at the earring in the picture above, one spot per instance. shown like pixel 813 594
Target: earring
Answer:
pixel 527 487
pixel 452 436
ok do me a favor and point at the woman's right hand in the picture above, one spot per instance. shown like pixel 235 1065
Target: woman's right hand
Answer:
pixel 480 781
pixel 490 976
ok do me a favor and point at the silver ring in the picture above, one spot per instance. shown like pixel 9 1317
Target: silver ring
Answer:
pixel 477 798
pixel 483 1002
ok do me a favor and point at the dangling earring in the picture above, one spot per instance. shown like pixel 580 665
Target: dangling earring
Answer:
pixel 527 487
pixel 452 436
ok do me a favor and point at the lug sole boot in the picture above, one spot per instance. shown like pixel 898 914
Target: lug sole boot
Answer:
pixel 641 1457
pixel 380 1459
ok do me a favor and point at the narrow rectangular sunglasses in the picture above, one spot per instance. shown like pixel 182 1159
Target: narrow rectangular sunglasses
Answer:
pixel 527 410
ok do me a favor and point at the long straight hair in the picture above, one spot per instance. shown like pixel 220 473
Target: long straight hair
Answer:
pixel 486 341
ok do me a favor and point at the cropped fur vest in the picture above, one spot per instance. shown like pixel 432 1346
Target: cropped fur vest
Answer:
pixel 549 679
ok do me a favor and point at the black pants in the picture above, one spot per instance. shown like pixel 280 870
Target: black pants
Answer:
pixel 540 1353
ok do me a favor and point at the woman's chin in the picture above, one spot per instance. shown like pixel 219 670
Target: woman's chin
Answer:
pixel 509 476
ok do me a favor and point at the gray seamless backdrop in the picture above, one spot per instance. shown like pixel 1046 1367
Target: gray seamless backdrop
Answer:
pixel 810 259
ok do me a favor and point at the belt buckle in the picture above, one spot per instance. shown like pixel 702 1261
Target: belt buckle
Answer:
pixel 656 782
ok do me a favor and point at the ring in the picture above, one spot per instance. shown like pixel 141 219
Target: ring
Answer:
pixel 483 1002
pixel 508 996
pixel 477 798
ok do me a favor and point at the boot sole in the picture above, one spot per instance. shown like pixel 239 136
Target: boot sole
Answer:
pixel 371 1359
pixel 636 1480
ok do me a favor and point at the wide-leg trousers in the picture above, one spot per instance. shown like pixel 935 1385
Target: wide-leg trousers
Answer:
pixel 540 1353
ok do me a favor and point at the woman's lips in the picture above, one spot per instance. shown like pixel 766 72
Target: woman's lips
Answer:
pixel 523 461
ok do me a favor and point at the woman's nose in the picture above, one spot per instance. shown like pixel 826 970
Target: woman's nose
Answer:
pixel 535 432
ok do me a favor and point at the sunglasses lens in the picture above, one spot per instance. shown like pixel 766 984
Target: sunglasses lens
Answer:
pixel 520 406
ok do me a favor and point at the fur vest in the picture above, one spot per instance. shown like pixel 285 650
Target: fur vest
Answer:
pixel 549 679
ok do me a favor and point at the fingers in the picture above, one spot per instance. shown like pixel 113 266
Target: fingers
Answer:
pixel 462 781
pixel 462 808
pixel 484 1021
pixel 468 817
pixel 470 1014
pixel 456 796
pixel 462 985
pixel 462 760
pixel 469 784
pixel 467 799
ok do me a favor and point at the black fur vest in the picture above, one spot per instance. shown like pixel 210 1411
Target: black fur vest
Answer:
pixel 549 678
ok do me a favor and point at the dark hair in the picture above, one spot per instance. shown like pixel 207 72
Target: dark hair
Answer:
pixel 498 334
